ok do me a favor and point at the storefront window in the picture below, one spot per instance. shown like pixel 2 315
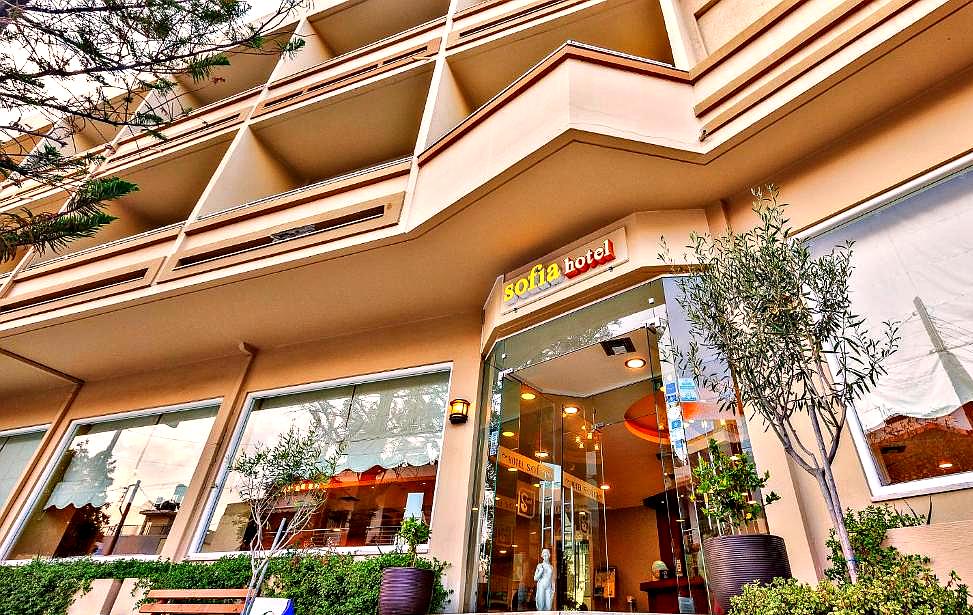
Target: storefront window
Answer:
pixel 914 264
pixel 117 488
pixel 388 435
pixel 16 449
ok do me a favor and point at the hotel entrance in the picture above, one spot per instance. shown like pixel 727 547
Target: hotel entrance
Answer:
pixel 586 500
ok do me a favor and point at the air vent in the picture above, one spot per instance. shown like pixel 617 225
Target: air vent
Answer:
pixel 225 248
pixel 284 236
pixel 617 347
pixel 78 292
pixel 408 56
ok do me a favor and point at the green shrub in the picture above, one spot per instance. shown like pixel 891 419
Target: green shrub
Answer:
pixel 331 584
pixel 906 588
pixel 867 529
pixel 341 585
pixel 890 582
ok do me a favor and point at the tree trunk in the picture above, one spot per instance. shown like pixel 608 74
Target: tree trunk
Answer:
pixel 830 491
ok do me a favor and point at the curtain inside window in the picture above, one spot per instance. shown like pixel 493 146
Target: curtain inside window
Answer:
pixel 387 424
pixel 15 454
pixel 914 264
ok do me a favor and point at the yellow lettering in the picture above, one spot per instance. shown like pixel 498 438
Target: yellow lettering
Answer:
pixel 508 292
pixel 553 273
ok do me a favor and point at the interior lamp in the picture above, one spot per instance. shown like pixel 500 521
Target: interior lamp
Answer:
pixel 459 411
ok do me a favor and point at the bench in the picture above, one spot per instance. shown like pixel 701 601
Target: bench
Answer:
pixel 195 601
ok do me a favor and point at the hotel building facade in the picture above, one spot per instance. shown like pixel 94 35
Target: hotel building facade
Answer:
pixel 461 199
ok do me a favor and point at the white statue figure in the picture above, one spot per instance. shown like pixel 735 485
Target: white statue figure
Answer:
pixel 544 577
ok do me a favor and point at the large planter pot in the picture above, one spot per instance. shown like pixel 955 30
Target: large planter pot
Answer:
pixel 734 561
pixel 405 591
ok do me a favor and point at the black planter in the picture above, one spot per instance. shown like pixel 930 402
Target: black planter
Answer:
pixel 734 561
pixel 405 591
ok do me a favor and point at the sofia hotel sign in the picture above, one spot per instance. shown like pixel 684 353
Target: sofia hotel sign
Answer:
pixel 557 272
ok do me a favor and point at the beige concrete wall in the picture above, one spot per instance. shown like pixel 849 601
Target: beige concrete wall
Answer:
pixel 933 129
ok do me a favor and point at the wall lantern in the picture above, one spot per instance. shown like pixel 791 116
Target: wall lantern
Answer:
pixel 459 411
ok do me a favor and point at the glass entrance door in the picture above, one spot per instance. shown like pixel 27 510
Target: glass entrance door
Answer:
pixel 589 443
pixel 585 508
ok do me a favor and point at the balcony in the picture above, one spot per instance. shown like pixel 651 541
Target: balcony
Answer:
pixel 331 135
pixel 323 212
pixel 352 29
pixel 129 252
pixel 493 44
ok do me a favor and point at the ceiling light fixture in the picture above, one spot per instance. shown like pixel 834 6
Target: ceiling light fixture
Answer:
pixel 635 363
pixel 570 409
pixel 945 465
pixel 604 486
pixel 528 396
pixel 541 454
pixel 511 469
pixel 507 434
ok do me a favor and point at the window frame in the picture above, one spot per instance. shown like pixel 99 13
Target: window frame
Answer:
pixel 23 515
pixel 879 491
pixel 195 552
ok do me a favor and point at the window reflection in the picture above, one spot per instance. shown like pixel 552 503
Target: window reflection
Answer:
pixel 117 488
pixel 15 453
pixel 913 262
pixel 391 435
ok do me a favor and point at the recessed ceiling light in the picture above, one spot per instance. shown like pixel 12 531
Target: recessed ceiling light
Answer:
pixel 945 465
pixel 503 551
pixel 511 469
pixel 571 409
pixel 636 363
pixel 513 546
pixel 527 395
pixel 541 454
pixel 507 434
pixel 604 486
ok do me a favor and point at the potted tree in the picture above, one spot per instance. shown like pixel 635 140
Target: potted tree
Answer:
pixel 791 348
pixel 407 590
pixel 728 488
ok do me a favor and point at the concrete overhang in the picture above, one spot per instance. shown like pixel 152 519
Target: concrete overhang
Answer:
pixel 585 138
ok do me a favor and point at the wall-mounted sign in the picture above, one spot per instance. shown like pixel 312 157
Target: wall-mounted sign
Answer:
pixel 510 459
pixel 558 272
pixel 526 501
pixel 583 487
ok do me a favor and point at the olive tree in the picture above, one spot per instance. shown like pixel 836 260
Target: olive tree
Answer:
pixel 285 484
pixel 792 349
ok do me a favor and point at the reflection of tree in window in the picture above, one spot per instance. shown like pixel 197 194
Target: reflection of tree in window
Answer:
pixel 391 435
pixel 123 498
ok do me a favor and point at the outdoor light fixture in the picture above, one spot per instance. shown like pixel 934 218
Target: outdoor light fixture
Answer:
pixel 571 409
pixel 528 396
pixel 459 411
pixel 541 454
pixel 635 363
pixel 511 469
pixel 507 434
pixel 604 486
pixel 945 465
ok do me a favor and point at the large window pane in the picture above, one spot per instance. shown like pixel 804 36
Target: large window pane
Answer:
pixel 391 434
pixel 15 453
pixel 914 264
pixel 117 488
